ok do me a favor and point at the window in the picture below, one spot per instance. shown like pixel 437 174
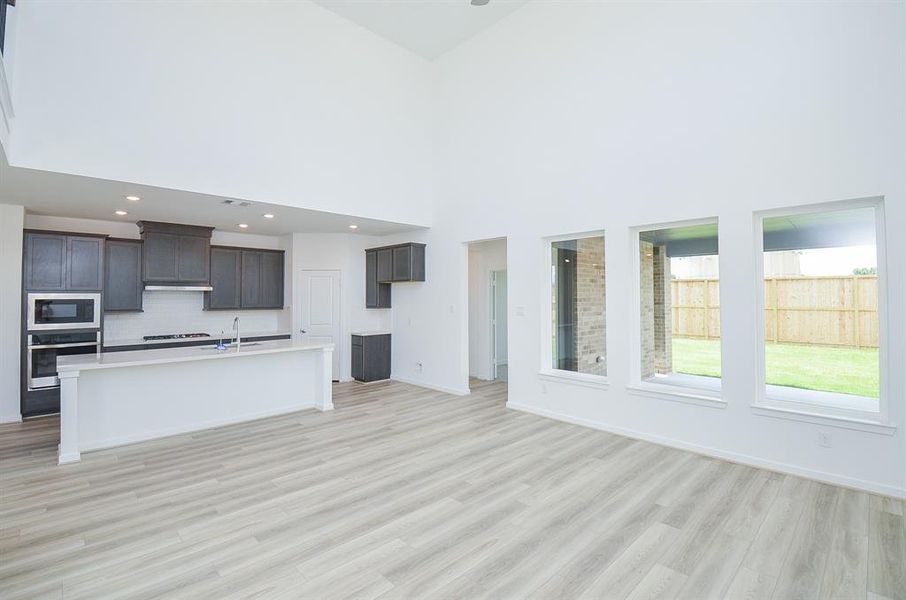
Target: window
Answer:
pixel 821 309
pixel 578 331
pixel 679 306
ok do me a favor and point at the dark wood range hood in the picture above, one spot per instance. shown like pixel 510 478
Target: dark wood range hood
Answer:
pixel 176 257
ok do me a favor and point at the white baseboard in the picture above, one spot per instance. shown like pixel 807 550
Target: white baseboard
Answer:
pixel 440 388
pixel 171 431
pixel 10 419
pixel 744 459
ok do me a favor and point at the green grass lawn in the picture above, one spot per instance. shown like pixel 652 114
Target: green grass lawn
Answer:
pixel 824 368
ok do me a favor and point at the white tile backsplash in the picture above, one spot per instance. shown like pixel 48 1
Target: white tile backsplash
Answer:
pixel 182 312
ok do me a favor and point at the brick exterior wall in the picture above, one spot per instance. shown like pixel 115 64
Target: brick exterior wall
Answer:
pixel 663 313
pixel 655 309
pixel 590 306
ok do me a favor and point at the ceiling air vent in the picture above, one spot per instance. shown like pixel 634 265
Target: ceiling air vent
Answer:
pixel 237 203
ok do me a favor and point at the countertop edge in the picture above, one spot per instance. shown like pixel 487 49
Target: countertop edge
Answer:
pixel 76 367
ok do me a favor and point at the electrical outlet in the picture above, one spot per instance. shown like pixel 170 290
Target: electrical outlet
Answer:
pixel 825 440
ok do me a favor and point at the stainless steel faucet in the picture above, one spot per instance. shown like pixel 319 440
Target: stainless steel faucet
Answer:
pixel 237 339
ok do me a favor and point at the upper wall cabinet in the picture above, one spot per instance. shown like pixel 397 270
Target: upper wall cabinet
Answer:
pixel 245 278
pixel 377 295
pixel 226 274
pixel 175 254
pixel 391 264
pixel 123 283
pixel 59 262
pixel 403 262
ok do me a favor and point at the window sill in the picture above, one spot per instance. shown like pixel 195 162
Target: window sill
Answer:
pixel 869 424
pixel 674 394
pixel 572 378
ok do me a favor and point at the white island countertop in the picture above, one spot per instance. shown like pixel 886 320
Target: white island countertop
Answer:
pixel 158 356
pixel 371 332
pixel 127 396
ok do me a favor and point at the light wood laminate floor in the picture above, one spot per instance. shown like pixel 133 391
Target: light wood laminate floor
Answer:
pixel 403 492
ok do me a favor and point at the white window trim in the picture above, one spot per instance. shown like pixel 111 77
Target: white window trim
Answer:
pixel 664 391
pixel 546 372
pixel 766 405
pixel 676 393
pixel 573 378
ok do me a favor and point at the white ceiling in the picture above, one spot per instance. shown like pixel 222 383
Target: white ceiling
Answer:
pixel 427 27
pixel 61 195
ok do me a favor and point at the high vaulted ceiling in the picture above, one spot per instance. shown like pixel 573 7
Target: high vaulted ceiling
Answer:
pixel 427 27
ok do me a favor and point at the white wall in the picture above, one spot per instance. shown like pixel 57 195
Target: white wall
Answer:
pixel 7 67
pixel 568 117
pixel 484 257
pixel 11 219
pixel 345 253
pixel 283 102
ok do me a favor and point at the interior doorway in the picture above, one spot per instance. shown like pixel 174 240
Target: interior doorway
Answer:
pixel 488 345
pixel 499 364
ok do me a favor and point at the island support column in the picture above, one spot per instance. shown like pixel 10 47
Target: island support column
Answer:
pixel 69 418
pixel 325 400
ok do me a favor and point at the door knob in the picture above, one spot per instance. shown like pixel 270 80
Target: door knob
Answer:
pixel 302 331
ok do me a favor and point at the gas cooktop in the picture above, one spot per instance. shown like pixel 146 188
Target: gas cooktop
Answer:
pixel 175 336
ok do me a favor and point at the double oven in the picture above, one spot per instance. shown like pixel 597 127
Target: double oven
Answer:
pixel 58 324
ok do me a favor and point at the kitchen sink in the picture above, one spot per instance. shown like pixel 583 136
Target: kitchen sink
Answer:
pixel 230 347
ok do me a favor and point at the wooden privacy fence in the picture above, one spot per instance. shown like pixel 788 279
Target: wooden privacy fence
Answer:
pixel 833 310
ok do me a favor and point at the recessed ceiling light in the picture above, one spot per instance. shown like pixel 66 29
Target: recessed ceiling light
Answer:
pixel 268 216
pixel 353 226
pixel 122 213
pixel 133 198
pixel 243 225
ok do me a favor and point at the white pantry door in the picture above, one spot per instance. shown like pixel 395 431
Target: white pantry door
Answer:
pixel 320 310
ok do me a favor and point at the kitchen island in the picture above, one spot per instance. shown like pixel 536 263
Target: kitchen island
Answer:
pixel 117 398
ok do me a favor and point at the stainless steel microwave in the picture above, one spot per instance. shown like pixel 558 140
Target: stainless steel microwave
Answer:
pixel 50 311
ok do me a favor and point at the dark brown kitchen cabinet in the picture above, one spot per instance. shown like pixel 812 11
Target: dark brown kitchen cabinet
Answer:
pixel 271 280
pixel 384 265
pixel 391 264
pixel 123 282
pixel 86 263
pixel 371 357
pixel 45 261
pixel 377 295
pixel 251 279
pixel 244 278
pixel 175 254
pixel 402 262
pixel 226 279
pixel 60 262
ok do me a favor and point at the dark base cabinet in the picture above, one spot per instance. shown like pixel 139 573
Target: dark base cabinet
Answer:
pixel 371 357
pixel 36 403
